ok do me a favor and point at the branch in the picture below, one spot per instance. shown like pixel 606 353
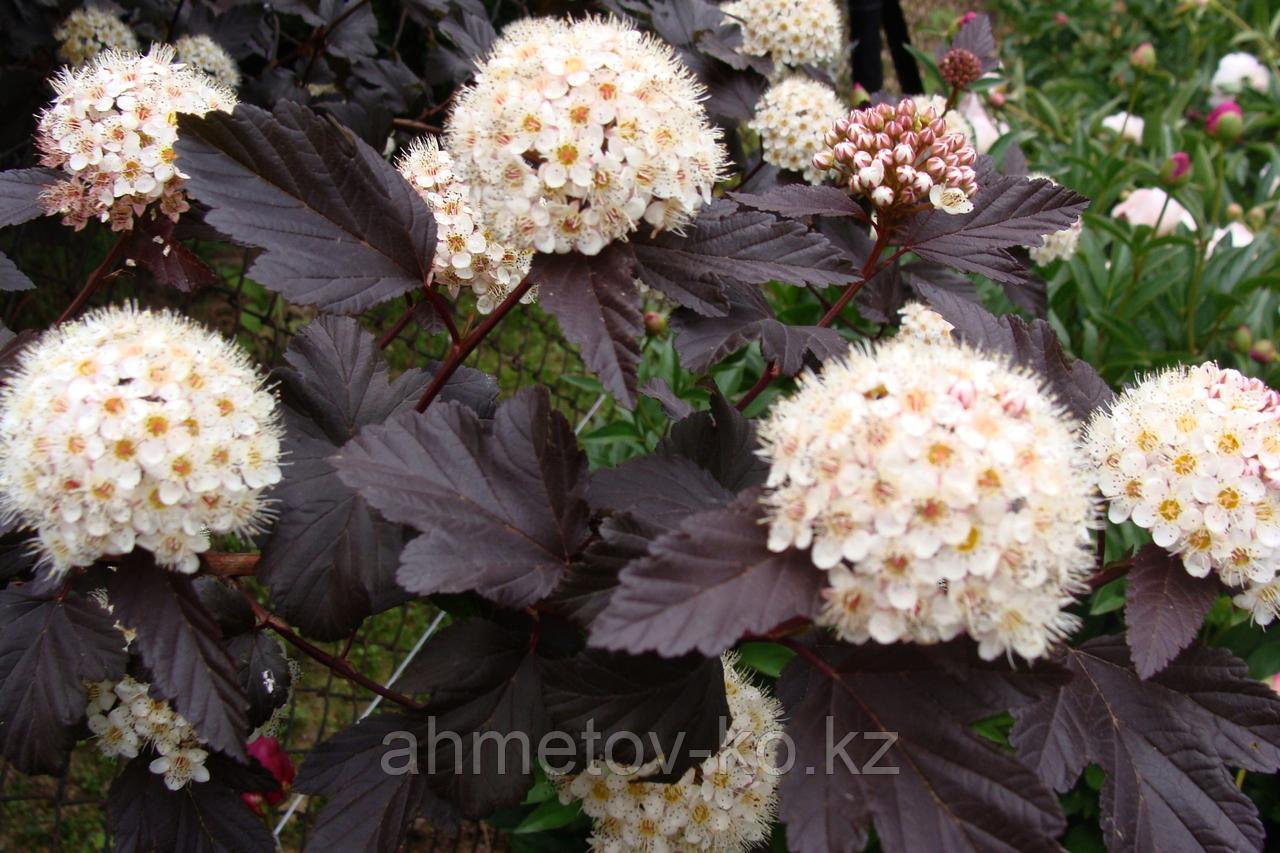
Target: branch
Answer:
pixel 336 665
pixel 459 352
pixel 228 565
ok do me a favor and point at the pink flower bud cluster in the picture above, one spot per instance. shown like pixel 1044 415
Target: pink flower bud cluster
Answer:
pixel 898 155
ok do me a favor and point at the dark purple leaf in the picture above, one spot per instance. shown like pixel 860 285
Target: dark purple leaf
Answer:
pixel 48 649
pixel 332 560
pixel 732 95
pixel 205 817
pixel 225 603
pixel 470 31
pixel 705 584
pixel 1035 345
pixel 677 708
pixel 937 785
pixel 20 194
pixel 977 38
pixel 1014 162
pixel 880 299
pixel 1165 744
pixel 703 341
pixel 597 304
pixel 942 277
pixel 658 389
pixel 590 581
pixel 12 278
pixel 182 648
pixel 484 680
pixel 349 27
pixel 501 506
pixel 794 201
pixel 1032 294
pixel 340 228
pixel 369 808
pixel 263 670
pixel 1007 211
pixel 729 244
pixel 723 442
pixel 662 489
pixel 1164 608
pixel 172 264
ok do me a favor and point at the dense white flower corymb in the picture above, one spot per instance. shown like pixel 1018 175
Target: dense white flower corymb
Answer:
pixel 124 719
pixel 922 322
pixel 1193 455
pixel 901 155
pixel 467 250
pixel 792 118
pixel 941 491
pixel 89 31
pixel 790 32
pixel 206 55
pixel 725 805
pixel 132 429
pixel 111 128
pixel 576 132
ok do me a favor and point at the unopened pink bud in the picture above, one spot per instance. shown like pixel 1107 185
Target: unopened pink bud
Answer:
pixel 823 160
pixel 964 392
pixel 1143 57
pixel 882 196
pixel 844 151
pixel 1226 122
pixel 1176 168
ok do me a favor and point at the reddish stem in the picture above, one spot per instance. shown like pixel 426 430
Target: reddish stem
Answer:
pixel 807 653
pixel 95 279
pixel 442 311
pixel 336 665
pixel 1115 570
pixel 227 565
pixel 459 351
pixel 397 327
pixel 868 271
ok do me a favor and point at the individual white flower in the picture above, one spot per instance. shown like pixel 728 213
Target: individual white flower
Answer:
pixel 1126 126
pixel 111 128
pixel 128 429
pixel 180 766
pixel 724 805
pixel 985 131
pixel 467 251
pixel 941 491
pixel 1060 245
pixel 576 132
pixel 1193 455
pixel 1235 73
pixel 792 117
pixel 899 155
pixel 206 55
pixel 1262 600
pixel 1154 208
pixel 1237 234
pixel 790 32
pixel 920 321
pixel 89 31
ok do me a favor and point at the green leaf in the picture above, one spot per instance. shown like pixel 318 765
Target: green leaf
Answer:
pixel 766 658
pixel 1108 598
pixel 552 814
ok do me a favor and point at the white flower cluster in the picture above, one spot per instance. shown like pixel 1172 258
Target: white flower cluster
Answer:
pixel 128 428
pixel 1060 245
pixel 575 131
pixel 900 155
pixel 1193 455
pixel 923 323
pixel 467 251
pixel 725 805
pixel 89 31
pixel 941 491
pixel 1235 73
pixel 207 56
pixel 792 118
pixel 124 720
pixel 111 128
pixel 790 32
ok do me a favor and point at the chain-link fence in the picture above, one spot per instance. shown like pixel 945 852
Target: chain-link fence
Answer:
pixel 68 814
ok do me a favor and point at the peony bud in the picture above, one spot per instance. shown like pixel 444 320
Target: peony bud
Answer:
pixel 1226 122
pixel 859 96
pixel 996 98
pixel 1256 218
pixel 966 18
pixel 1263 351
pixel 1241 339
pixel 1143 57
pixel 1235 212
pixel 655 323
pixel 1176 169
pixel 1061 19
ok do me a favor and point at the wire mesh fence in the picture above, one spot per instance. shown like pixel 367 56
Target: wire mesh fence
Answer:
pixel 68 814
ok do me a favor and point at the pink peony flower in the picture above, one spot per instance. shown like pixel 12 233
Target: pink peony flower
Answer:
pixel 1154 208
pixel 275 760
pixel 1226 122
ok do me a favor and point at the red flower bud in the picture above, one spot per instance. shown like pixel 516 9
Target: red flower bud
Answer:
pixel 1175 169
pixel 1226 122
